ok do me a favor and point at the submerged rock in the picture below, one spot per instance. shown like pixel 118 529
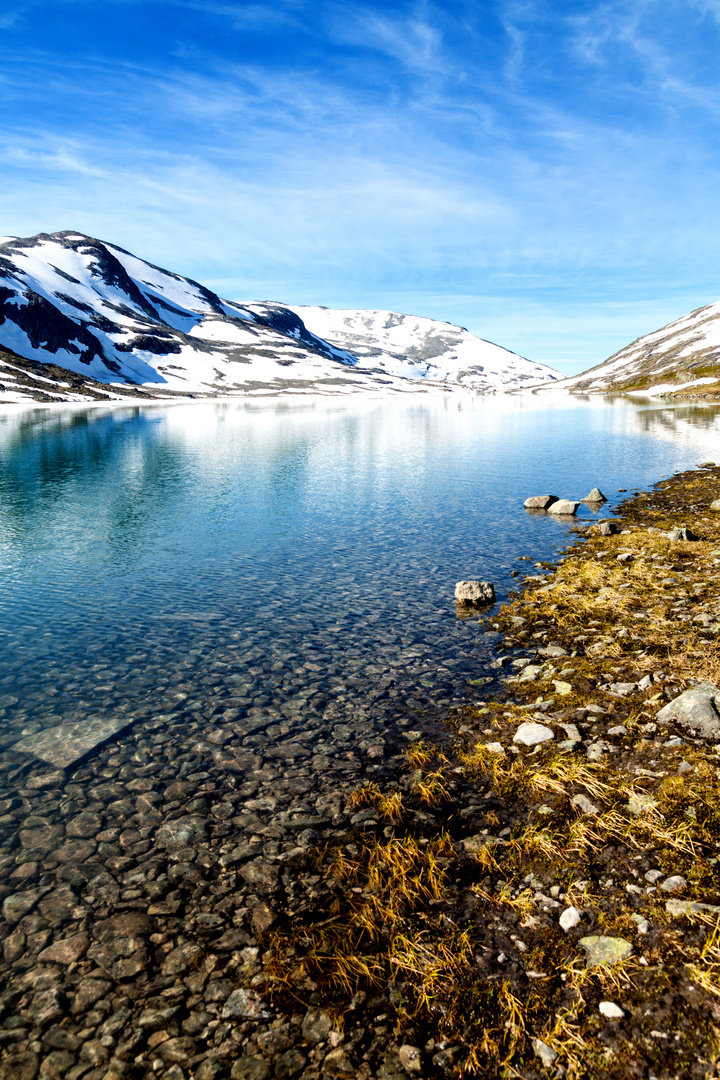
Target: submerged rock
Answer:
pixel 67 743
pixel 475 592
pixel 696 710
pixel 540 502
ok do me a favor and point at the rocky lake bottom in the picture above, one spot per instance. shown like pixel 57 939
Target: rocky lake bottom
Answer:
pixel 245 665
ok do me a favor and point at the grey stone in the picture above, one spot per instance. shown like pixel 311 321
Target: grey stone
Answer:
pixel 290 1063
pixel 475 592
pixel 622 689
pixel 715 504
pixel 639 803
pixel 337 1063
pixel 261 872
pixel 593 497
pixel 531 733
pixel 178 1049
pixel 181 958
pixel 67 743
pixel 46 1006
pixel 316 1026
pixel 540 502
pixel 696 710
pixel 605 950
pixel 552 651
pixel 564 508
pixel 19 904
pixel 246 1004
pixel 688 907
pixel 674 884
pixel 154 1019
pixel 66 951
pixel 608 528
pixel 250 1068
pixel 610 1010
pixel 89 991
pixel 547 1055
pixel 581 802
pixel 681 534
pixel 410 1058
pixel 181 833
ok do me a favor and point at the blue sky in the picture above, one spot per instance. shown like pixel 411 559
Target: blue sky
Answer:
pixel 543 172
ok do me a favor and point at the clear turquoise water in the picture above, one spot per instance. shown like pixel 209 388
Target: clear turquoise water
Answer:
pixel 294 558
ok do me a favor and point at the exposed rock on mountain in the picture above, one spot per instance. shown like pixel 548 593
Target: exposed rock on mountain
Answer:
pixel 81 318
pixel 683 358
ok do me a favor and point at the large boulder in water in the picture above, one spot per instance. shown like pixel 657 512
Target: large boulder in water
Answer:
pixel 564 508
pixel 540 502
pixel 475 592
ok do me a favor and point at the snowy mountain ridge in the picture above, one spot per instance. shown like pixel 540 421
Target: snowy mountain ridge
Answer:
pixel 80 317
pixel 682 357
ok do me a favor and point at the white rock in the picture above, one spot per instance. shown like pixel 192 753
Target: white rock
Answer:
pixel 540 502
pixel 674 884
pixel 581 802
pixel 546 1053
pixel 570 917
pixel 611 1010
pixel 475 592
pixel 531 733
pixel 495 748
pixel 410 1058
pixel 696 710
pixel 564 507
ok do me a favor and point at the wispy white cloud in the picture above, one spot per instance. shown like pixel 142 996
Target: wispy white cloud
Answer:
pixel 355 153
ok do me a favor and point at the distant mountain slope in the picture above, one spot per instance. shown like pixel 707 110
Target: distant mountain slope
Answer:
pixel 683 357
pixel 419 348
pixel 107 324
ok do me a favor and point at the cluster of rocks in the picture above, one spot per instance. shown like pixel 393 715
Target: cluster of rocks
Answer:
pixel 553 504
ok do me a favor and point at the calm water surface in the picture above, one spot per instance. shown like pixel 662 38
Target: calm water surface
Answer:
pixel 286 559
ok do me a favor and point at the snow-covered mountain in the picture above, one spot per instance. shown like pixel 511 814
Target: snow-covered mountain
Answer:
pixel 416 348
pixel 81 317
pixel 682 357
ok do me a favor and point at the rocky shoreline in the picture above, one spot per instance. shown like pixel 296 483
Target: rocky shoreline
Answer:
pixel 195 902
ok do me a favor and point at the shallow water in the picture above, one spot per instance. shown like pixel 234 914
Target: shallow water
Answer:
pixel 291 560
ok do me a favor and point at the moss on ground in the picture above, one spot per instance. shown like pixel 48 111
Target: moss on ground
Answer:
pixel 448 898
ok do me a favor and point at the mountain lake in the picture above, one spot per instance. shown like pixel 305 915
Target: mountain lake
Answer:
pixel 287 567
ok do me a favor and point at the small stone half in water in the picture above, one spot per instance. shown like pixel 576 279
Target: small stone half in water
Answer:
pixel 594 496
pixel 67 743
